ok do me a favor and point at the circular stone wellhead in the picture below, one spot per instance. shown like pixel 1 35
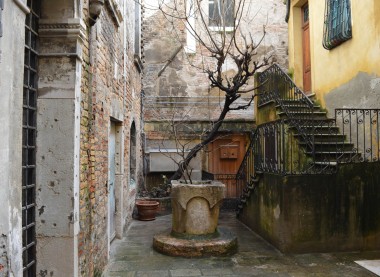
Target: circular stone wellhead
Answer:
pixel 196 246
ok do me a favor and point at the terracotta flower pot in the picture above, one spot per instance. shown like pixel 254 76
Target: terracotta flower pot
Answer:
pixel 147 209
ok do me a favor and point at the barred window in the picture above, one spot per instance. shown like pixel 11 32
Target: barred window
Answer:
pixel 337 27
pixel 1 26
pixel 221 13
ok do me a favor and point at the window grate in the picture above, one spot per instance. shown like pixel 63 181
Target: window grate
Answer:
pixel 29 125
pixel 337 25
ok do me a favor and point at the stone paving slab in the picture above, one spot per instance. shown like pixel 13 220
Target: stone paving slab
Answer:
pixel 133 256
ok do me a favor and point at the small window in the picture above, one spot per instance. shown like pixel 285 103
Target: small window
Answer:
pixel 1 26
pixel 221 13
pixel 337 27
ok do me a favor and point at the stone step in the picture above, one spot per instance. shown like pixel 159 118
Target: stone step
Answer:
pixel 295 106
pixel 317 115
pixel 333 156
pixel 332 137
pixel 330 146
pixel 313 123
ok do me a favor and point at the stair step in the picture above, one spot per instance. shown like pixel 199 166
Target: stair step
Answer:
pixel 304 115
pixel 313 123
pixel 320 130
pixel 333 137
pixel 333 156
pixel 296 101
pixel 297 105
pixel 332 163
pixel 330 146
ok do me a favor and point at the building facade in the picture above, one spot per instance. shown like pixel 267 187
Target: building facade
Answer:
pixel 72 125
pixel 333 51
pixel 177 92
pixel 309 182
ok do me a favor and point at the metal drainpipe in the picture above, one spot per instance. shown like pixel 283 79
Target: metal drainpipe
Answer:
pixel 287 11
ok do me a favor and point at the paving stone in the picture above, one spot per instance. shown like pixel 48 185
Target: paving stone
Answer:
pixel 185 272
pixel 217 271
pixel 134 256
pixel 154 273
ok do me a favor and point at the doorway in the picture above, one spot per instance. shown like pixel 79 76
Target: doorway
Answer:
pixel 225 156
pixel 306 49
pixel 111 181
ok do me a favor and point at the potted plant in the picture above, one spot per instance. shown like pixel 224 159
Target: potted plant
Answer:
pixel 147 209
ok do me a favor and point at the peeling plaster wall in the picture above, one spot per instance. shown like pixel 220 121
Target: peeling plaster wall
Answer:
pixel 58 139
pixel 352 66
pixel 180 79
pixel 11 81
pixel 363 91
pixel 77 98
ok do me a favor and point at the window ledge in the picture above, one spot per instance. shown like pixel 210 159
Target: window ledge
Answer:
pixel 221 29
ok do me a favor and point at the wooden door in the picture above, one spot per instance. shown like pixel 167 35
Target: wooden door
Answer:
pixel 226 154
pixel 306 49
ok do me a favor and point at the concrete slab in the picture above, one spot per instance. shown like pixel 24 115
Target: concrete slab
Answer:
pixel 371 265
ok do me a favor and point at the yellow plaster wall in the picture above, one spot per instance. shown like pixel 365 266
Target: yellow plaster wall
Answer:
pixel 332 68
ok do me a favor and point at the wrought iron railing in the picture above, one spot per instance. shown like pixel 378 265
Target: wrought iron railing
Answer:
pixel 353 136
pixel 361 128
pixel 305 141
pixel 276 86
pixel 276 147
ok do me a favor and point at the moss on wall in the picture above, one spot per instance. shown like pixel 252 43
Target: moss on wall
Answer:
pixel 316 213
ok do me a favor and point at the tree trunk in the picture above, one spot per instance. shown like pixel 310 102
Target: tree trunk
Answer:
pixel 209 137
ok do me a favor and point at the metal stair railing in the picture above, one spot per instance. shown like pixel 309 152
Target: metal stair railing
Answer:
pixel 276 85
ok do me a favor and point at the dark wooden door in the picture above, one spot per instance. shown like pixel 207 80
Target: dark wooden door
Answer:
pixel 226 154
pixel 306 49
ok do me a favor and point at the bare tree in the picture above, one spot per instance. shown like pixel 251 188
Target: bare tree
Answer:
pixel 217 30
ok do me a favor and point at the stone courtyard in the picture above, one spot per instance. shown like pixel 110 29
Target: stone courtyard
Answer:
pixel 133 255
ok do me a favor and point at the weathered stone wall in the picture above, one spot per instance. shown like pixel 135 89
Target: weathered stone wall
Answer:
pixel 11 88
pixel 182 84
pixel 182 92
pixel 87 77
pixel 111 88
pixel 319 213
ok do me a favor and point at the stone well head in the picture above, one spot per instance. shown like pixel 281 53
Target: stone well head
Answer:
pixel 196 207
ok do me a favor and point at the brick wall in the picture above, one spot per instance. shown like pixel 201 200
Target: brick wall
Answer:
pixel 106 93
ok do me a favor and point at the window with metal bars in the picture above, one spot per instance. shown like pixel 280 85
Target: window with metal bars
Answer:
pixel 221 13
pixel 1 24
pixel 337 26
pixel 29 125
